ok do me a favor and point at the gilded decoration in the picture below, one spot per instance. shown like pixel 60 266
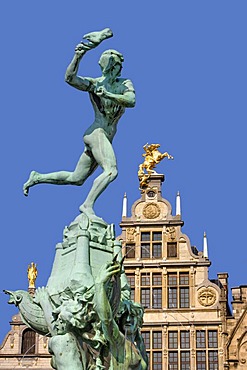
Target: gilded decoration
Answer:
pixel 151 210
pixel 207 296
pixel 32 273
pixel 152 157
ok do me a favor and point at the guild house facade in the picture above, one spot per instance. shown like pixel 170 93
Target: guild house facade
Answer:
pixel 188 323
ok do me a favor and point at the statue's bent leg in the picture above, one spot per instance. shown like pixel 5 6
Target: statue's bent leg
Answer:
pixel 84 168
pixel 66 353
pixel 104 155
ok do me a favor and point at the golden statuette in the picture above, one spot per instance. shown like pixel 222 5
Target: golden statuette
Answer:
pixel 32 273
pixel 152 157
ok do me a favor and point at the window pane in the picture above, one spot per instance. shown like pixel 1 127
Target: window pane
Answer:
pixel 185 339
pixel 200 360
pixel 157 250
pixel 185 360
pixel 131 281
pixel 145 251
pixel 157 339
pixel 172 279
pixel 212 339
pixel 157 360
pixel 213 360
pixel 172 250
pixel 148 354
pixel 173 361
pixel 132 294
pixel 146 338
pixel 172 297
pixel 130 251
pixel 184 279
pixel 184 297
pixel 157 297
pixel 200 339
pixel 172 339
pixel 145 297
pixel 157 279
pixel 157 236
pixel 145 237
pixel 145 279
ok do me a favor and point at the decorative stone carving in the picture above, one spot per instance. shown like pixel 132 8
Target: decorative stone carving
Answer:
pixel 171 233
pixel 207 296
pixel 151 210
pixel 130 234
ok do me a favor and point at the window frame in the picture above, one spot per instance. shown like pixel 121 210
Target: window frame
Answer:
pixel 148 244
pixel 154 346
pixel 151 291
pixel 178 292
pixel 28 342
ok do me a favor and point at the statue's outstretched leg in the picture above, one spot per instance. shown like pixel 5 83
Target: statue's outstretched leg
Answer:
pixel 84 168
pixel 104 155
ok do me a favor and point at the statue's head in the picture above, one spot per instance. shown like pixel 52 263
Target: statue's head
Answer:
pixel 111 61
pixel 76 309
pixel 130 317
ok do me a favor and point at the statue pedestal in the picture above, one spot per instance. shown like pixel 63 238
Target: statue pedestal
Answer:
pixel 87 244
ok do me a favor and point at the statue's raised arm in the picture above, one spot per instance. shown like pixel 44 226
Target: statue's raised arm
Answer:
pixel 123 331
pixel 94 39
pixel 110 95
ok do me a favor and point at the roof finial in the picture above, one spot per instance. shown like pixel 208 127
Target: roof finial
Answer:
pixel 32 273
pixel 124 211
pixel 178 204
pixel 205 245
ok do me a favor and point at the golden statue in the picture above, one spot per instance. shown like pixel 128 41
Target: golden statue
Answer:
pixel 32 273
pixel 152 157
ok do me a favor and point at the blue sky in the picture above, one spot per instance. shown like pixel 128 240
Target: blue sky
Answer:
pixel 187 60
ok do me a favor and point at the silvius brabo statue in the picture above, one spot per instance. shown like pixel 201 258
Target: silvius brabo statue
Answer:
pixel 110 95
pixel 85 308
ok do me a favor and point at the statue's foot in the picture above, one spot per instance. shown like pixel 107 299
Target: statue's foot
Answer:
pixel 88 211
pixel 33 179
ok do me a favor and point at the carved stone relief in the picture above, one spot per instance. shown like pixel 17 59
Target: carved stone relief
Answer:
pixel 151 210
pixel 207 296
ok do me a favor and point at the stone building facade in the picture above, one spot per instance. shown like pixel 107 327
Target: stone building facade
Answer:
pixel 23 348
pixel 187 322
pixel 236 345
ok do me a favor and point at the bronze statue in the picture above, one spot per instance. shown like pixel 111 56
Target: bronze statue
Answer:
pixel 110 95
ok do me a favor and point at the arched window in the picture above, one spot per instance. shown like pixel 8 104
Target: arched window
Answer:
pixel 28 342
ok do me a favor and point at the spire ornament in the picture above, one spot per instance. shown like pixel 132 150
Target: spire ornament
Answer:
pixel 32 273
pixel 205 245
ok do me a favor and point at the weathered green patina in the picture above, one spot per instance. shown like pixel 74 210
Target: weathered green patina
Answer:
pixel 85 307
pixel 110 95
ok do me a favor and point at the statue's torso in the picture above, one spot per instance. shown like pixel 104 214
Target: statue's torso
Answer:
pixel 107 112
